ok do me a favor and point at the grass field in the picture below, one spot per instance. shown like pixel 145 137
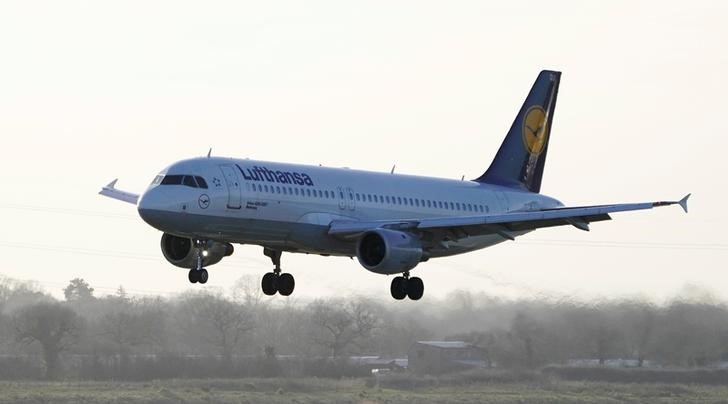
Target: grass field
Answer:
pixel 351 391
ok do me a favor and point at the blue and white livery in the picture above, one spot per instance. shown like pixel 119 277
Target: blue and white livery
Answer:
pixel 390 222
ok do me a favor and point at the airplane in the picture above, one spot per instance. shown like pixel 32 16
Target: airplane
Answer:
pixel 390 222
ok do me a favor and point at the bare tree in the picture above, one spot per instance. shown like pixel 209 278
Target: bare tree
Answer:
pixel 129 327
pixel 247 291
pixel 339 325
pixel 218 321
pixel 54 326
pixel 525 330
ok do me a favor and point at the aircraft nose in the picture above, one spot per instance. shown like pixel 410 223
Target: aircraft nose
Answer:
pixel 154 205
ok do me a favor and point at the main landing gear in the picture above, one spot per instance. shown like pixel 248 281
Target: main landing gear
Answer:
pixel 198 273
pixel 403 286
pixel 276 281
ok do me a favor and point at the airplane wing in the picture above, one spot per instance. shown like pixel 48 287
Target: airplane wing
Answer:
pixel 114 193
pixel 504 224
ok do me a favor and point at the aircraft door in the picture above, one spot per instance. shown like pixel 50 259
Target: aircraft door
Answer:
pixel 502 201
pixel 350 199
pixel 233 186
pixel 342 198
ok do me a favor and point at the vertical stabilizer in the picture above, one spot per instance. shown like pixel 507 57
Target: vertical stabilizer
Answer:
pixel 520 160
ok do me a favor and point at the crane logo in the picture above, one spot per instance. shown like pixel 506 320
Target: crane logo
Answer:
pixel 534 130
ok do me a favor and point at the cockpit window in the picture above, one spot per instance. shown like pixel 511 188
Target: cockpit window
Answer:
pixel 157 179
pixel 172 180
pixel 189 181
pixel 201 182
pixel 192 181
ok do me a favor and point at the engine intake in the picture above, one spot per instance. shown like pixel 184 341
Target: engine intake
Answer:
pixel 387 251
pixel 179 251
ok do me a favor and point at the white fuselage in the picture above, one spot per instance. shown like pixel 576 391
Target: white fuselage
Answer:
pixel 290 206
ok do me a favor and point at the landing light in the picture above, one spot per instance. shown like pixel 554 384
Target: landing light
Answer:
pixel 204 253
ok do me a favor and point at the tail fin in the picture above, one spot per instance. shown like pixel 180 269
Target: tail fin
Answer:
pixel 520 159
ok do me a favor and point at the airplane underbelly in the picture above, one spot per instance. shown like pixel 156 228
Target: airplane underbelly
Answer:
pixel 470 244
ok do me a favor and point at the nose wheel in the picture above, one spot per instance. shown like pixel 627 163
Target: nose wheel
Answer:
pixel 277 282
pixel 198 274
pixel 404 286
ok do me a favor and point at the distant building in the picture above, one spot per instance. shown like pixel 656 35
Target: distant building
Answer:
pixel 435 357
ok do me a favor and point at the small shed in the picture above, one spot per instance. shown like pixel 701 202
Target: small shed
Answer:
pixel 433 357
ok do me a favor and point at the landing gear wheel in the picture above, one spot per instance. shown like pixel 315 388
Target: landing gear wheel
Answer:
pixel 268 284
pixel 192 275
pixel 415 288
pixel 202 276
pixel 286 283
pixel 399 287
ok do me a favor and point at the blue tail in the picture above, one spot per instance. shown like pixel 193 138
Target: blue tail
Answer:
pixel 521 158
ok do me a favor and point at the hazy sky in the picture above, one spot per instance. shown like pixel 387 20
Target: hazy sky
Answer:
pixel 94 90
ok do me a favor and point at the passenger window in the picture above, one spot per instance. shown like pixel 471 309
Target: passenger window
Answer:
pixel 417 202
pixel 266 188
pixel 278 190
pixel 399 200
pixel 457 205
pixel 387 198
pixel 429 204
pixel 357 196
pixel 327 193
pixel 308 193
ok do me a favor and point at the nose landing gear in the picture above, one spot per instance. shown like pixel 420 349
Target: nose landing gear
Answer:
pixel 198 274
pixel 275 281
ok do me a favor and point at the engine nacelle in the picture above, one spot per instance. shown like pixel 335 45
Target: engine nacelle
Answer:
pixel 387 251
pixel 179 251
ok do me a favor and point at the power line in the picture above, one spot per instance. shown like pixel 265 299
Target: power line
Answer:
pixel 628 244
pixel 113 254
pixel 67 211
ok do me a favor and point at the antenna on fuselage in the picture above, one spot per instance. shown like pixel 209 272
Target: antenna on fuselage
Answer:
pixel 462 178
pixel 392 172
pixel 209 152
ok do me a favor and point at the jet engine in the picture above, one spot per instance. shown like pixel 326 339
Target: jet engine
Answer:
pixel 386 251
pixel 180 251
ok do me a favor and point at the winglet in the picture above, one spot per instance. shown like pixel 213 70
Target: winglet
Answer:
pixel 111 191
pixel 684 202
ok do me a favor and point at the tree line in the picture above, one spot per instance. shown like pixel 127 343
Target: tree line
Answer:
pixel 244 333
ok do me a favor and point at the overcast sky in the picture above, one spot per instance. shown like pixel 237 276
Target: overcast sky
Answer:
pixel 94 90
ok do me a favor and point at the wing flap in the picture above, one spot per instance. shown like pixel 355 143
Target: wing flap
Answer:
pixel 578 217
